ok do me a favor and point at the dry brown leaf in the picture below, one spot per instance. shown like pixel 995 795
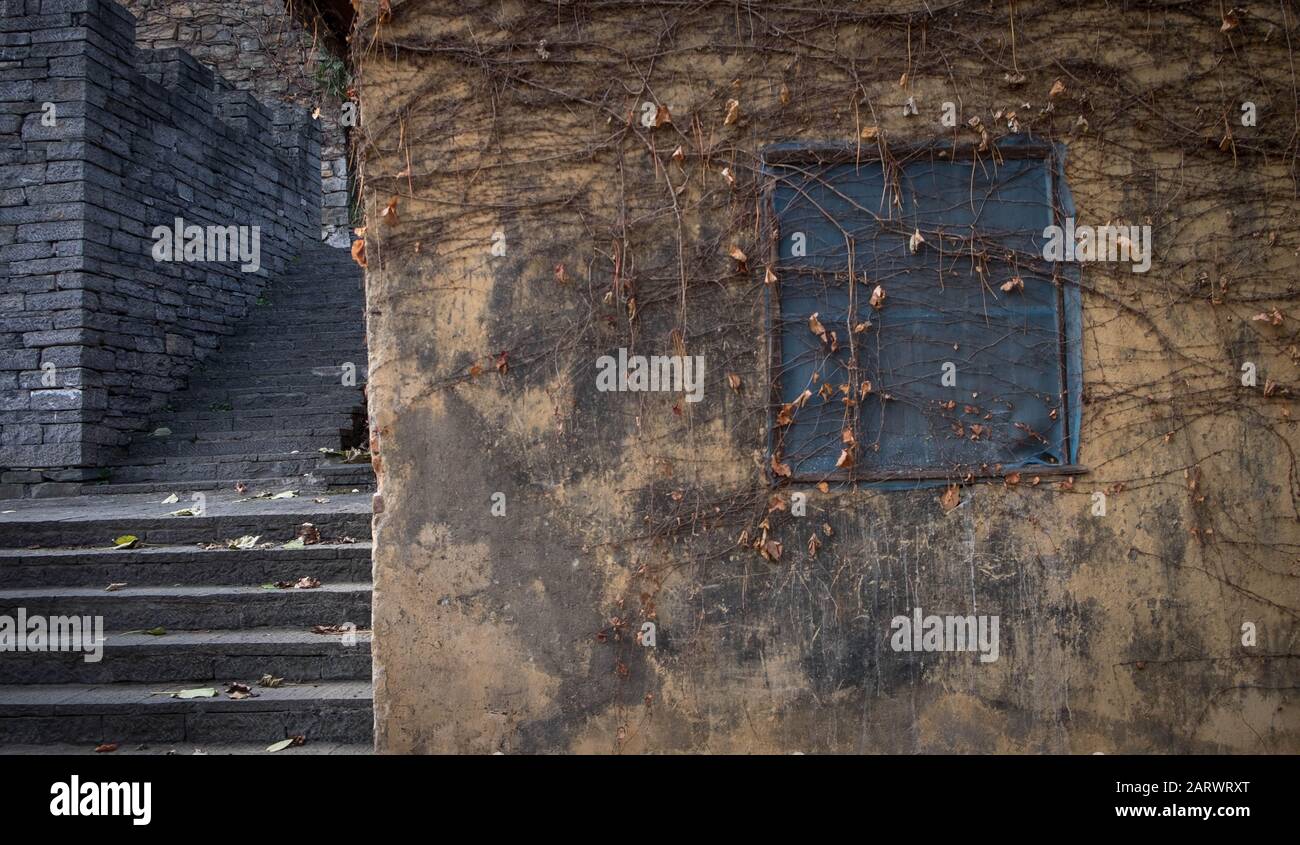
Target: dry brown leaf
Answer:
pixel 814 543
pixel 662 116
pixel 359 251
pixel 309 534
pixel 1014 283
pixel 1230 21
pixel 951 497
pixel 389 214
pixel 824 487
pixel 878 297
pixel 776 503
pixel 733 112
pixel 769 277
pixel 733 381
pixel 1012 479
pixel 1058 88
pixel 815 325
pixel 869 133
pixel 679 155
pixel 771 550
pixel 780 469
pixel 785 94
pixel 914 243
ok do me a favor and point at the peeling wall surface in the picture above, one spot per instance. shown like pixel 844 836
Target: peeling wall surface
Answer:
pixel 548 183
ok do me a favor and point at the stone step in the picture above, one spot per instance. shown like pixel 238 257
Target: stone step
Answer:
pixel 340 711
pixel 297 318
pixel 309 339
pixel 255 418
pixel 323 400
pixel 223 435
pixel 195 607
pixel 139 749
pixel 255 442
pixel 176 565
pixel 212 657
pixel 301 378
pixel 184 470
pixel 94 521
pixel 312 483
pixel 344 475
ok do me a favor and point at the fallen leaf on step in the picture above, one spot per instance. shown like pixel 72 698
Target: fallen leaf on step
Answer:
pixel 115 586
pixel 248 541
pixel 307 583
pixel 126 541
pixel 201 692
pixel 295 543
pixel 238 691
pixel 106 748
pixel 170 500
pixel 241 488
pixel 270 681
pixel 333 629
pixel 287 494
pixel 156 632
pixel 184 512
pixel 161 432
pixel 291 742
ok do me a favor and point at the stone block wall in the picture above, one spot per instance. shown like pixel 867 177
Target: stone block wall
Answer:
pixel 258 46
pixel 99 144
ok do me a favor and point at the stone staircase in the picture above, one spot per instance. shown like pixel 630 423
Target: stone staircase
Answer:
pixel 187 611
pixel 274 394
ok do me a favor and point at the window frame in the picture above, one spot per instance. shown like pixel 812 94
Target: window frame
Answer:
pixel 1069 302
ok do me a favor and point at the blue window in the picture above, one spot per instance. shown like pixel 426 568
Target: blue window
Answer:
pixel 966 364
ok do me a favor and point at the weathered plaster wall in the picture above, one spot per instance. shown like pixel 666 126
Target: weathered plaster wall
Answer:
pixel 1119 633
